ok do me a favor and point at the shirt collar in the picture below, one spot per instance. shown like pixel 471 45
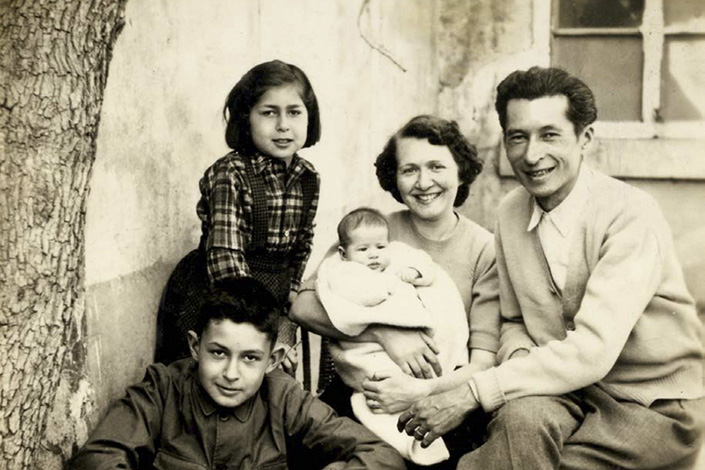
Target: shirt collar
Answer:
pixel 208 406
pixel 298 164
pixel 567 213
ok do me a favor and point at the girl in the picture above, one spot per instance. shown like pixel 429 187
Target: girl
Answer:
pixel 257 203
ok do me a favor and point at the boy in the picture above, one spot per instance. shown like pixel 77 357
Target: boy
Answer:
pixel 372 281
pixel 227 407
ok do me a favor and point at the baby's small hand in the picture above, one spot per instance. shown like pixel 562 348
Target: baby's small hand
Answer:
pixel 409 275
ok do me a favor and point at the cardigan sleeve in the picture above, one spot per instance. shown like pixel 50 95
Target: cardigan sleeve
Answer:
pixel 620 286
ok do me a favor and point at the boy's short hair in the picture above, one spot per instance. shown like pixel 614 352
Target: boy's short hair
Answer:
pixel 241 300
pixel 436 131
pixel 362 216
pixel 250 88
pixel 539 82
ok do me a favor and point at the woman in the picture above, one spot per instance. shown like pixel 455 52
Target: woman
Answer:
pixel 428 166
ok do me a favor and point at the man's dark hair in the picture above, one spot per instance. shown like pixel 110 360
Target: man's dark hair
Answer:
pixel 242 300
pixel 436 131
pixel 538 82
pixel 362 216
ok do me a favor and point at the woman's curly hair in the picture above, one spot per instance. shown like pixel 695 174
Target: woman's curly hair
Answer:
pixel 438 132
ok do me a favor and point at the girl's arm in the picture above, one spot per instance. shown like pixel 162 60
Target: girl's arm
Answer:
pixel 229 230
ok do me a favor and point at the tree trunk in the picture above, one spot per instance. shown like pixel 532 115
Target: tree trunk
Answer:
pixel 54 57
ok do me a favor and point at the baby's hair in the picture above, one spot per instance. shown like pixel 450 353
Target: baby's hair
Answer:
pixel 362 216
pixel 242 300
pixel 255 83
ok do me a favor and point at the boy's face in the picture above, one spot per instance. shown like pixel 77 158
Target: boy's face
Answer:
pixel 232 360
pixel 368 246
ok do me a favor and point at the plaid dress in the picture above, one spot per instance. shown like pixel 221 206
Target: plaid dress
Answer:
pixel 257 220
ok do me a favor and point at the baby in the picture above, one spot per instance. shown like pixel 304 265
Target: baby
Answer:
pixel 374 281
pixel 373 270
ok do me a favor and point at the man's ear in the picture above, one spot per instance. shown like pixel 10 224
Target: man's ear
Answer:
pixel 193 342
pixel 341 252
pixel 586 136
pixel 276 357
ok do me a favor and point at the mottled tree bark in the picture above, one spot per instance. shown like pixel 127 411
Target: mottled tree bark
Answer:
pixel 54 57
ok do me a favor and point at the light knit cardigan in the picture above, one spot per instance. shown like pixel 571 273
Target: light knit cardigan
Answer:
pixel 624 321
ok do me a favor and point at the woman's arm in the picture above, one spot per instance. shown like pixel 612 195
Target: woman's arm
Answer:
pixel 412 350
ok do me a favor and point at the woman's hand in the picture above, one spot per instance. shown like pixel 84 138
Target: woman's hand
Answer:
pixel 436 415
pixel 391 391
pixel 413 350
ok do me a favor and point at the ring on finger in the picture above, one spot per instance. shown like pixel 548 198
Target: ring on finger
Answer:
pixel 418 432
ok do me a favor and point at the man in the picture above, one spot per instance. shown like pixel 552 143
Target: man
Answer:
pixel 600 356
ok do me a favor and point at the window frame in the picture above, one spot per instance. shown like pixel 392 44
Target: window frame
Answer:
pixel 646 149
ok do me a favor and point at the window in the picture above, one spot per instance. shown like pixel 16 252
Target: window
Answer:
pixel 644 59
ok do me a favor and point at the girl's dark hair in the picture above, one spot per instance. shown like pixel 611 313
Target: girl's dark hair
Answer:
pixel 255 83
pixel 538 82
pixel 361 216
pixel 241 300
pixel 436 131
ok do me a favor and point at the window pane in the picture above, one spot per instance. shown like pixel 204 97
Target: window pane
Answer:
pixel 683 79
pixel 600 13
pixel 611 67
pixel 687 13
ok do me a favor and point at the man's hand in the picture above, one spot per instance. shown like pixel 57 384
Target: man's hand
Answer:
pixel 413 350
pixel 436 415
pixel 392 392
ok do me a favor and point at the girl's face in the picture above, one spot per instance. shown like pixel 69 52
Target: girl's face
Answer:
pixel 427 178
pixel 279 122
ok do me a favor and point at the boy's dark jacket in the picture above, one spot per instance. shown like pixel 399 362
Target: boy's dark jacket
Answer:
pixel 169 421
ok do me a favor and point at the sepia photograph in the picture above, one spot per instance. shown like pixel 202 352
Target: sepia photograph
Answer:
pixel 352 234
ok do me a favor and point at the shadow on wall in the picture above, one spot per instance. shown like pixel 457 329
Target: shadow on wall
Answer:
pixel 121 328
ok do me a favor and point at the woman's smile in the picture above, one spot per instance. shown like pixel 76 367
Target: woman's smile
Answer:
pixel 427 178
pixel 427 198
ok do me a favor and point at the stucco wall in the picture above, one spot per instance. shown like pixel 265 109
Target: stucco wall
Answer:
pixel 161 126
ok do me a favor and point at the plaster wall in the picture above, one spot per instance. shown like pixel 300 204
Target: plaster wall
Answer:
pixel 161 127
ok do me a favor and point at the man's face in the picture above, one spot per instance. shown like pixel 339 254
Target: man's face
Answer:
pixel 543 149
pixel 232 360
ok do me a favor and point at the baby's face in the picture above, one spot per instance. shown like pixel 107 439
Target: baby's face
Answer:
pixel 368 246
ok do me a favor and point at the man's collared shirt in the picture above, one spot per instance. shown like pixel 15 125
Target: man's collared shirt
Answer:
pixel 556 227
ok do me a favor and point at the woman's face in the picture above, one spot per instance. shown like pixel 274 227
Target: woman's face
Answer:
pixel 427 178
